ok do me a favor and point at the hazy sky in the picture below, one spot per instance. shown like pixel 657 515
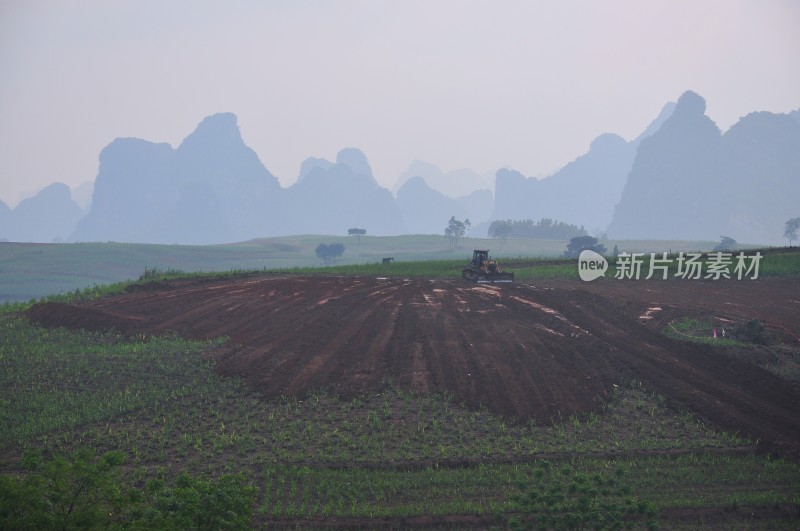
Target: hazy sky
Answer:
pixel 477 84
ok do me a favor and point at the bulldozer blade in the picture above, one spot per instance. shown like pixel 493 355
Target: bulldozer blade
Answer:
pixel 504 279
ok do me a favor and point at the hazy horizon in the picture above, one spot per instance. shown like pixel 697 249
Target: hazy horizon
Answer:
pixel 478 85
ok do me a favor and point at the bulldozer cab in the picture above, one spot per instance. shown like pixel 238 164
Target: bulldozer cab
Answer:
pixel 479 257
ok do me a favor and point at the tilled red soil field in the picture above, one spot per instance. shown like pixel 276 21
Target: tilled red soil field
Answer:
pixel 546 351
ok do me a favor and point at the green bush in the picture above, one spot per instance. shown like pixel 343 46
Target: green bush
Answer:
pixel 89 492
pixel 82 492
pixel 752 331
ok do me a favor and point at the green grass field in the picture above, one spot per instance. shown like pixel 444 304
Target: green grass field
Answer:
pixel 29 271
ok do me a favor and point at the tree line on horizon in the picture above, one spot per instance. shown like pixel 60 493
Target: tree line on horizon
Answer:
pixel 544 229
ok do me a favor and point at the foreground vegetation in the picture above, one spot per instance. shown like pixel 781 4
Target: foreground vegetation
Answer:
pixel 85 491
pixel 182 433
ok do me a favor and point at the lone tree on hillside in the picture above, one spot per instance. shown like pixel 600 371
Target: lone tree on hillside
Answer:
pixel 329 253
pixel 358 233
pixel 581 243
pixel 456 229
pixel 792 226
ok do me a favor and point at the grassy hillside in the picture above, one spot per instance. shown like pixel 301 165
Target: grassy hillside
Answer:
pixel 30 271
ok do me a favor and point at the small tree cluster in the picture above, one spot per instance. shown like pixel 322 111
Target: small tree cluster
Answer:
pixel 544 229
pixel 329 253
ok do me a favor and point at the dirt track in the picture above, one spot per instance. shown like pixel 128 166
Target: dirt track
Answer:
pixel 541 351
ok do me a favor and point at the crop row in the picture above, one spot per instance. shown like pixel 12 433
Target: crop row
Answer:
pixel 163 394
pixel 695 480
pixel 207 416
pixel 391 454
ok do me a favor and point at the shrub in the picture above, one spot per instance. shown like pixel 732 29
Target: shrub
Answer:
pixel 582 243
pixel 87 492
pixel 752 332
pixel 329 253
pixel 82 492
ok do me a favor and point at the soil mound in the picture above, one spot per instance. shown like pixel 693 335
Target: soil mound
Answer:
pixel 523 351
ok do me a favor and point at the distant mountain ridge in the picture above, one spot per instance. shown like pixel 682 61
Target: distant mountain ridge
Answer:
pixel 48 216
pixel 681 178
pixel 690 181
pixel 214 189
pixel 425 210
pixel 330 198
pixel 211 189
pixel 456 183
pixel 584 192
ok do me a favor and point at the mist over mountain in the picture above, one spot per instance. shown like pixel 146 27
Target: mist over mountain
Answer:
pixel 312 163
pixel 425 194
pixel 666 111
pixel 133 190
pixel 330 198
pixel 82 194
pixel 357 162
pixel 673 185
pixel 5 222
pixel 51 215
pixel 425 210
pixel 212 188
pixel 760 157
pixel 584 192
pixel 477 206
pixel 690 181
pixel 681 178
pixel 455 183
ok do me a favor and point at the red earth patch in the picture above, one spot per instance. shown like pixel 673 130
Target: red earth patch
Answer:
pixel 545 351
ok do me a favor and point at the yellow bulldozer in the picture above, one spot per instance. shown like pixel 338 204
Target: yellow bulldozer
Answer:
pixel 483 270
